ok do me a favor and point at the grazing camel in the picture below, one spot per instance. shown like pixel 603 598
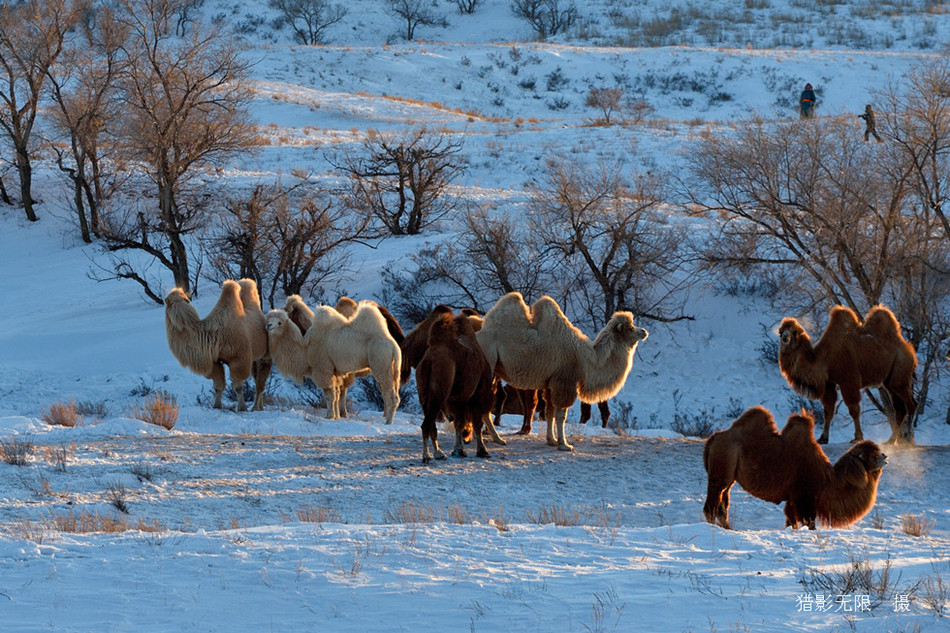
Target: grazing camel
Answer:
pixel 231 334
pixel 454 376
pixel 791 467
pixel 335 346
pixel 851 356
pixel 538 348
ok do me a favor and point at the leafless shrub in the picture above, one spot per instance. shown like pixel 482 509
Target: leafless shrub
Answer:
pixel 466 6
pixel 16 451
pixel 409 512
pixel 413 14
pixel 858 576
pixel 159 408
pixel 118 495
pixel 289 239
pixel 63 414
pixel 914 525
pixel 314 514
pixel 86 522
pixel 935 593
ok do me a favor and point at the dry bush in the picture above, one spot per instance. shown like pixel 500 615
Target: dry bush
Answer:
pixel 313 514
pixel 159 408
pixel 858 576
pixel 409 512
pixel 63 414
pixel 499 521
pixel 914 525
pixel 86 522
pixel 557 515
pixel 935 593
pixel 16 451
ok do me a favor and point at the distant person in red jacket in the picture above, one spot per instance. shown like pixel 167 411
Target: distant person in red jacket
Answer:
pixel 807 102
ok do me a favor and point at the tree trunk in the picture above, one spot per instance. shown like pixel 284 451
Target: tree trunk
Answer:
pixel 25 171
pixel 81 210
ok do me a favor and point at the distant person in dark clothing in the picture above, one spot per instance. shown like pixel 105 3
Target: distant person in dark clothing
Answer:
pixel 869 122
pixel 807 102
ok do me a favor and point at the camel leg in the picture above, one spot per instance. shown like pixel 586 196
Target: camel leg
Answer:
pixel 487 421
pixel 430 433
pixel 905 406
pixel 560 419
pixel 529 402
pixel 347 381
pixel 549 417
pixel 585 412
pixel 331 391
pixel 461 421
pixel 828 411
pixel 218 382
pixel 604 413
pixel 499 403
pixel 480 449
pixel 262 369
pixel 853 401
pixel 716 508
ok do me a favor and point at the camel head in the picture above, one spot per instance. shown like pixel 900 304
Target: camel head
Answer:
pixel 870 455
pixel 621 325
pixel 276 322
pixel 791 334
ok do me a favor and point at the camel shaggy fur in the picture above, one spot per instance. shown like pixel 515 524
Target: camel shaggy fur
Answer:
pixel 453 376
pixel 335 346
pixel 538 348
pixel 302 317
pixel 851 356
pixel 416 342
pixel 791 467
pixel 232 334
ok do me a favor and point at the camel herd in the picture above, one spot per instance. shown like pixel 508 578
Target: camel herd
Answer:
pixel 461 359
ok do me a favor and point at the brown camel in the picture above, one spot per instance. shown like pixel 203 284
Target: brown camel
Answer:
pixel 851 356
pixel 791 467
pixel 454 376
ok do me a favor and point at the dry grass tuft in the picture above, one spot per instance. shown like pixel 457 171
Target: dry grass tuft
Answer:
pixel 63 414
pixel 914 525
pixel 410 512
pixel 159 408
pixel 16 451
pixel 313 514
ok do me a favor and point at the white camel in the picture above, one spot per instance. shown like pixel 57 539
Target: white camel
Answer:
pixel 334 347
pixel 539 348
pixel 232 334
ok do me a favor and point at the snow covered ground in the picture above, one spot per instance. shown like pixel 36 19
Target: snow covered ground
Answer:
pixel 283 520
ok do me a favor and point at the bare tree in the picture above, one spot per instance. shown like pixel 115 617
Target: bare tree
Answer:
pixel 546 17
pixel 289 239
pixel 31 39
pixel 832 220
pixel 402 179
pixel 491 255
pixel 618 249
pixel 607 100
pixel 466 6
pixel 309 19
pixel 413 14
pixel 84 90
pixel 185 111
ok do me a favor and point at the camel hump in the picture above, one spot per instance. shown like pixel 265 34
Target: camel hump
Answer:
pixel 510 306
pixel 843 319
pixel 249 296
pixel 881 322
pixel 368 318
pixel 346 306
pixel 756 419
pixel 327 317
pixel 799 425
pixel 230 298
pixel 443 330
pixel 546 311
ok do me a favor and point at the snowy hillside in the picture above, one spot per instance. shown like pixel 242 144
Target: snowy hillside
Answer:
pixel 284 520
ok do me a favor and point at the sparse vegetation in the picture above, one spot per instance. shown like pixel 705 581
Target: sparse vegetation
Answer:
pixel 16 451
pixel 159 408
pixel 63 414
pixel 915 525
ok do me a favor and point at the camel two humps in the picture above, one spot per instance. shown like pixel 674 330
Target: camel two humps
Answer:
pixel 231 334
pixel 539 348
